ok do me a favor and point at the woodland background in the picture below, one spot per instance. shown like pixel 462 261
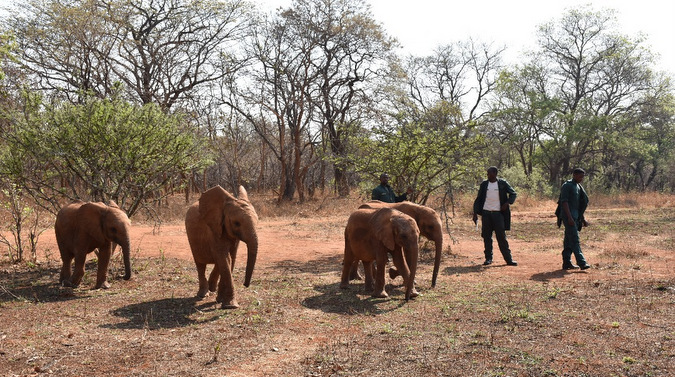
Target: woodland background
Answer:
pixel 136 100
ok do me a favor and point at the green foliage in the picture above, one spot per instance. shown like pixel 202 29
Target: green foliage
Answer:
pixel 7 46
pixel 535 183
pixel 101 150
pixel 426 155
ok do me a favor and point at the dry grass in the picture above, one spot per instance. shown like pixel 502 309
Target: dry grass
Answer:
pixel 295 321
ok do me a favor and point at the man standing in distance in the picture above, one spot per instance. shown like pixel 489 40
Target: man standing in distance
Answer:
pixel 385 193
pixel 495 196
pixel 572 204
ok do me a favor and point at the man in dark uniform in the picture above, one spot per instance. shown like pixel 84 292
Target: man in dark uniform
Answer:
pixel 572 204
pixel 386 194
pixel 495 196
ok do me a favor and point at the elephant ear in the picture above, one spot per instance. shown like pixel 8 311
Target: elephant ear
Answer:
pixel 89 220
pixel 243 195
pixel 211 208
pixel 383 227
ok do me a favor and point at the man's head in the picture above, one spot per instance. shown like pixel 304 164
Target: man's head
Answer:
pixel 384 178
pixel 492 173
pixel 578 175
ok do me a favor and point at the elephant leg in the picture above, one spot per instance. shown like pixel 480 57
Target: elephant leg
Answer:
pixel 402 264
pixel 64 278
pixel 354 272
pixel 213 279
pixel 78 272
pixel 381 261
pixel 201 275
pixel 347 265
pixel 226 284
pixel 368 271
pixel 103 261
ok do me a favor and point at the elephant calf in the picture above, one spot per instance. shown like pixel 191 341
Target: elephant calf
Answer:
pixel 373 233
pixel 427 220
pixel 215 225
pixel 83 227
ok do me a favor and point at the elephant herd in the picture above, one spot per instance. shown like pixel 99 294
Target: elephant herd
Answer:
pixel 218 221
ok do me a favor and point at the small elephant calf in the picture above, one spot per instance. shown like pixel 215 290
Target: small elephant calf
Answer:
pixel 373 233
pixel 81 227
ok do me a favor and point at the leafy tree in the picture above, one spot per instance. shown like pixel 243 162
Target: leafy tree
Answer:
pixel 428 154
pixel 598 77
pixel 100 150
pixel 430 113
pixel 522 113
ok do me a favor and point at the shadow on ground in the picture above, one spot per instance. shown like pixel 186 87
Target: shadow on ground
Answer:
pixel 353 300
pixel 41 284
pixel 458 270
pixel 164 313
pixel 319 266
pixel 546 276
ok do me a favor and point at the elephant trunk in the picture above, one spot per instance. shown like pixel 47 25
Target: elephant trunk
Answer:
pixel 410 283
pixel 437 259
pixel 126 257
pixel 252 248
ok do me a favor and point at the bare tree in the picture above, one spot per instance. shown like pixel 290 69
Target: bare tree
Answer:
pixel 351 49
pixel 166 48
pixel 160 50
pixel 275 98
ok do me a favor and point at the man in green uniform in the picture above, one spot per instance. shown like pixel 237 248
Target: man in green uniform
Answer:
pixel 571 206
pixel 386 194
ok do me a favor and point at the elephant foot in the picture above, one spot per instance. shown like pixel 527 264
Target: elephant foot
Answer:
pixel 232 304
pixel 202 294
pixel 344 285
pixel 104 285
pixel 414 293
pixel 381 294
pixel 69 284
pixel 393 273
pixel 229 303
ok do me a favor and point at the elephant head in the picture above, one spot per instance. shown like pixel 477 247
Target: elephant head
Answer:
pixel 399 233
pixel 116 224
pixel 234 219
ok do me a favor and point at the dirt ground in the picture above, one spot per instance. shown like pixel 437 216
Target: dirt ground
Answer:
pixel 300 240
pixel 295 321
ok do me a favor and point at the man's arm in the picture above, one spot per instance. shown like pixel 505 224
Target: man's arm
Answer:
pixel 477 203
pixel 510 195
pixel 564 199
pixel 566 210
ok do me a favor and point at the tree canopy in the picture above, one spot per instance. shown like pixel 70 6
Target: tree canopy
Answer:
pixel 315 95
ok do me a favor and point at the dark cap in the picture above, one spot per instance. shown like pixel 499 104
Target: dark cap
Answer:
pixel 579 171
pixel 384 175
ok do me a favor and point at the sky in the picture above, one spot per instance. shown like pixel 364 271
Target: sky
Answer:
pixel 422 25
